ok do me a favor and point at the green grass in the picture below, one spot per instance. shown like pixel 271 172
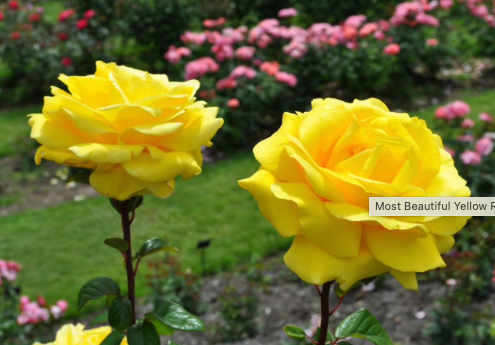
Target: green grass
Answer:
pixel 61 247
pixel 14 127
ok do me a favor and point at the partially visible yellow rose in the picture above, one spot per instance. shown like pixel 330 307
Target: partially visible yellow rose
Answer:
pixel 76 335
pixel 136 130
pixel 318 172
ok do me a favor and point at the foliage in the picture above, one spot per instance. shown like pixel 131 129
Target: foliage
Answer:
pixel 168 281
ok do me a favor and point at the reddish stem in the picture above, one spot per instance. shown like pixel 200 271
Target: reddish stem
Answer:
pixel 126 228
pixel 337 306
pixel 325 315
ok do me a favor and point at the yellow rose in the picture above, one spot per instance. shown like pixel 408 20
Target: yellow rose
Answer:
pixel 136 131
pixel 76 335
pixel 317 173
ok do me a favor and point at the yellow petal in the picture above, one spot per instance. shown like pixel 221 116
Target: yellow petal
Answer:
pixel 171 164
pixel 117 184
pixel 102 153
pixel 200 129
pixel 446 226
pixel 354 213
pixel 339 238
pixel 404 251
pixel 272 155
pixel 282 214
pixel 316 266
pixel 406 279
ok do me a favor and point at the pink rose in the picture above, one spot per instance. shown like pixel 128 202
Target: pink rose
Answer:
pixel 392 49
pixel 468 123
pixel 484 146
pixel 286 78
pixel 485 117
pixel 471 157
pixel 233 103
pixel 431 42
pixel 287 12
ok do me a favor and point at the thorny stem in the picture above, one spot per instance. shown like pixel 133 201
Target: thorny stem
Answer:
pixel 325 315
pixel 126 228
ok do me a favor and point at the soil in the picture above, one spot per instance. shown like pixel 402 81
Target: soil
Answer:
pixel 36 188
pixel 404 314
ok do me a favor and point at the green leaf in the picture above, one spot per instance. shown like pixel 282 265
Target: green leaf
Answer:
pixel 344 343
pixel 295 332
pixel 97 288
pixel 120 314
pixel 340 293
pixel 118 243
pixel 169 317
pixel 363 325
pixel 132 204
pixel 114 338
pixel 154 245
pixel 143 334
pixel 102 318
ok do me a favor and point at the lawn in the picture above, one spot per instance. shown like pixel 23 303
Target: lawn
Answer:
pixel 61 247
pixel 13 127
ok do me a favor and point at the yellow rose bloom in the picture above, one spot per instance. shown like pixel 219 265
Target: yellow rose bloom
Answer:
pixel 136 131
pixel 318 172
pixel 76 335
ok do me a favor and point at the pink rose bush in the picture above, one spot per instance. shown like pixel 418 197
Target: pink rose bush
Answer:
pixel 470 139
pixel 34 312
pixel 294 63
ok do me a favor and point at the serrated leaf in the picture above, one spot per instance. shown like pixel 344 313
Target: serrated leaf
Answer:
pixel 120 314
pixel 100 319
pixel 169 317
pixel 154 245
pixel 362 324
pixel 118 243
pixel 114 338
pixel 97 288
pixel 143 334
pixel 295 332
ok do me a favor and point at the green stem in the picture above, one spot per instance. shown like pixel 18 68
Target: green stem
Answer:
pixel 325 315
pixel 126 228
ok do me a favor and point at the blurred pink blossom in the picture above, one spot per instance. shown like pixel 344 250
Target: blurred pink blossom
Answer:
pixel 468 123
pixel 466 138
pixel 392 49
pixel 270 68
pixel 287 12
pixel 484 146
pixel 286 78
pixel 226 84
pixel 245 53
pixel 355 21
pixel 431 42
pixel 193 37
pixel 233 103
pixel 243 71
pixel 368 29
pixel 446 4
pixel 9 270
pixel 471 157
pixel 198 68
pixel 485 117
pixel 426 19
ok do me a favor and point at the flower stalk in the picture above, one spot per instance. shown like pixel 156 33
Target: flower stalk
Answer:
pixel 126 229
pixel 325 314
